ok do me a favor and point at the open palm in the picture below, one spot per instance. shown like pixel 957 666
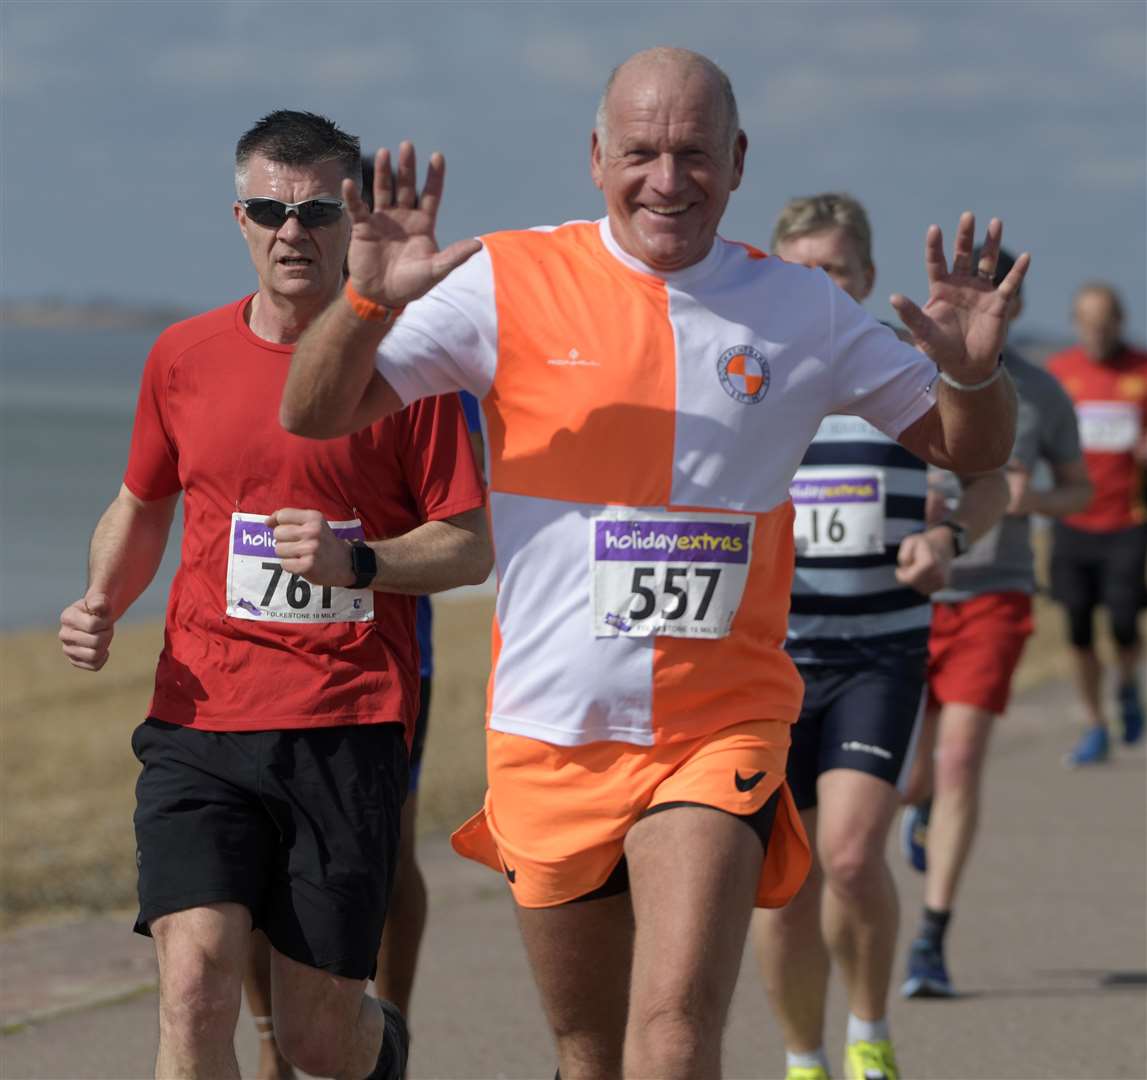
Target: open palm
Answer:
pixel 964 324
pixel 394 257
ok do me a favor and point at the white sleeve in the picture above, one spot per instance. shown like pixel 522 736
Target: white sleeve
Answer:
pixel 448 339
pixel 876 375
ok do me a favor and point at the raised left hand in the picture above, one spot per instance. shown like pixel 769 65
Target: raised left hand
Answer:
pixel 308 547
pixel 964 324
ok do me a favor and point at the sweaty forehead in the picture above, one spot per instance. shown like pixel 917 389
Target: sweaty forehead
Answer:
pixel 292 183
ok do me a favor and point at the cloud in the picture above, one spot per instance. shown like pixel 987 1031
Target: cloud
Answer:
pixel 1110 173
pixel 217 66
pixel 806 94
pixel 874 35
pixel 566 59
pixel 1122 53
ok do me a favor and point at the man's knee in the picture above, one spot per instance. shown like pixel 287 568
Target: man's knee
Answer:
pixel 854 870
pixel 677 1026
pixel 318 1048
pixel 959 764
pixel 202 955
pixel 323 1023
pixel 679 1012
pixel 199 993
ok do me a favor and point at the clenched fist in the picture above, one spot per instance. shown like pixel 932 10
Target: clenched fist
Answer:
pixel 86 629
pixel 308 547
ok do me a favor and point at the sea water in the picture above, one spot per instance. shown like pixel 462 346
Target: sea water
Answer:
pixel 67 398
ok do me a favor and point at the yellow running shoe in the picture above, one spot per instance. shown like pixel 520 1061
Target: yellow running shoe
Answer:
pixel 870 1061
pixel 805 1072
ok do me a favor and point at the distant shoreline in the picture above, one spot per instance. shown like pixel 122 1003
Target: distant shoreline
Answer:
pixel 91 315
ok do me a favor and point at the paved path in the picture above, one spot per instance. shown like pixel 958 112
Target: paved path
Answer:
pixel 1049 947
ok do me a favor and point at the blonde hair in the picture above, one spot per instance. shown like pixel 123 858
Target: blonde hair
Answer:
pixel 830 210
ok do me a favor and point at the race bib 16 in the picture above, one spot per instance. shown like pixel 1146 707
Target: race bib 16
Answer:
pixel 839 511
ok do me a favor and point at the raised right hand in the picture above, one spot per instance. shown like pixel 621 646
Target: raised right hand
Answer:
pixel 86 629
pixel 394 257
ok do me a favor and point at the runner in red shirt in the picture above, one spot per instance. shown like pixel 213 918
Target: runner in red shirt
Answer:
pixel 275 752
pixel 1099 554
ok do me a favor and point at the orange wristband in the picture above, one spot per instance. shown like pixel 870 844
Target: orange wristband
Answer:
pixel 368 309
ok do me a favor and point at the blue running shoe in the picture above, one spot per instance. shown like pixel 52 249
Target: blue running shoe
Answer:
pixel 1131 713
pixel 927 973
pixel 914 835
pixel 1092 748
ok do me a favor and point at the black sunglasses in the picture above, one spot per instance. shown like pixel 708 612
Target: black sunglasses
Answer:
pixel 312 214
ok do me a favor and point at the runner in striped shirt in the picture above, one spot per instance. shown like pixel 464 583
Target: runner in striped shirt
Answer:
pixel 858 631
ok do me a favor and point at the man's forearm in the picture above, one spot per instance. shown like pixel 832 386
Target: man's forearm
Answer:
pixel 1059 501
pixel 978 426
pixel 331 371
pixel 126 548
pixel 983 501
pixel 436 556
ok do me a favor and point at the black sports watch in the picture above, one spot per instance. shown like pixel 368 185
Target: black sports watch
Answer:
pixel 363 564
pixel 960 541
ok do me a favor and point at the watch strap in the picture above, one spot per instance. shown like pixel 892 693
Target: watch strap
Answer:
pixel 960 541
pixel 363 564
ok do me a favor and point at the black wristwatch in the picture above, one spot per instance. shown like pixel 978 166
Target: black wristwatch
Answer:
pixel 960 541
pixel 363 564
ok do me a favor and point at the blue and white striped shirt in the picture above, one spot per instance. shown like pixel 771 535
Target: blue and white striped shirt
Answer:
pixel 846 606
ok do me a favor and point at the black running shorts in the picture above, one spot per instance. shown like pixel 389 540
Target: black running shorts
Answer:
pixel 860 717
pixel 1090 570
pixel 300 826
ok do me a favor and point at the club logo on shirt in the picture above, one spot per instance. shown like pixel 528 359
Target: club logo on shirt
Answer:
pixel 744 373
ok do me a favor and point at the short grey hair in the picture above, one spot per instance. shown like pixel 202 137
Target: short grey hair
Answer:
pixel 664 54
pixel 290 137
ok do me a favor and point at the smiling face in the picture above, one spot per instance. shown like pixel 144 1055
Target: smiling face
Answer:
pixel 666 161
pixel 834 252
pixel 301 266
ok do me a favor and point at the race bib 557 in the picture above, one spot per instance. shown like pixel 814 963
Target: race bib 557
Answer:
pixel 672 573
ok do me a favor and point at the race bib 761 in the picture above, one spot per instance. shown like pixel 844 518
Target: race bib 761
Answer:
pixel 259 588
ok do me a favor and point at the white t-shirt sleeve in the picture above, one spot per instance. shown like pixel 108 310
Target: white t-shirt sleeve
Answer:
pixel 875 374
pixel 448 339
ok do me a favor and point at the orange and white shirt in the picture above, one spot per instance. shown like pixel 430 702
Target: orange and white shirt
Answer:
pixel 641 433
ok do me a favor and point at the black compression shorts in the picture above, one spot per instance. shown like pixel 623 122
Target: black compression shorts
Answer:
pixel 860 717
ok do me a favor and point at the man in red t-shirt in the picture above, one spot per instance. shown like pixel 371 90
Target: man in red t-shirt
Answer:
pixel 1100 553
pixel 275 751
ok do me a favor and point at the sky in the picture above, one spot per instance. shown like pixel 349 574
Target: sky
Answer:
pixel 118 123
